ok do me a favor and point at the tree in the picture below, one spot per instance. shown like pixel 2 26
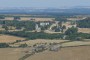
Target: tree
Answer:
pixel 61 19
pixel 57 29
pixel 84 23
pixel 71 30
pixel 63 27
pixel 5 27
pixel 3 45
pixel 2 17
pixel 53 28
pixel 16 18
pixel 29 25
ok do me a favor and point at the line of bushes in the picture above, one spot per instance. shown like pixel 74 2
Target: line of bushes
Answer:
pixel 34 35
pixel 4 45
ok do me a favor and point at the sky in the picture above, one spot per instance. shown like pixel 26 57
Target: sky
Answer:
pixel 44 3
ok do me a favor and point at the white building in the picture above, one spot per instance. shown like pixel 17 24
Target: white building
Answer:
pixel 38 29
pixel 44 23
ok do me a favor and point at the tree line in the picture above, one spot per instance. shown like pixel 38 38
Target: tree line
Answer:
pixel 84 23
pixel 28 25
pixel 33 35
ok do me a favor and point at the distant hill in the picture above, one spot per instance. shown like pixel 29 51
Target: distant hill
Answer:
pixel 73 10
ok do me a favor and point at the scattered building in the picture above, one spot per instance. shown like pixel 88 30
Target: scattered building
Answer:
pixel 37 28
pixel 44 23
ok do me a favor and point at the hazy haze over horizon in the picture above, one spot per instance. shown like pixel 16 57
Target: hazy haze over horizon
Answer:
pixel 43 3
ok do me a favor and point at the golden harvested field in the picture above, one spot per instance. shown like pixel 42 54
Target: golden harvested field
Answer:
pixel 8 39
pixel 76 43
pixel 37 19
pixel 11 53
pixel 27 18
pixel 66 43
pixel 67 53
pixel 44 19
pixel 70 53
pixel 84 30
pixel 78 18
pixel 32 42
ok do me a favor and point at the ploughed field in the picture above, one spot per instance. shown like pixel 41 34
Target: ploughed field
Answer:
pixel 68 53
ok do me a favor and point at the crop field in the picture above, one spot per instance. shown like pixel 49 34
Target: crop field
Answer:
pixel 11 53
pixel 76 43
pixel 37 41
pixel 80 18
pixel 37 19
pixel 65 53
pixel 26 18
pixel 65 43
pixel 84 30
pixel 44 19
pixel 70 53
pixel 8 39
